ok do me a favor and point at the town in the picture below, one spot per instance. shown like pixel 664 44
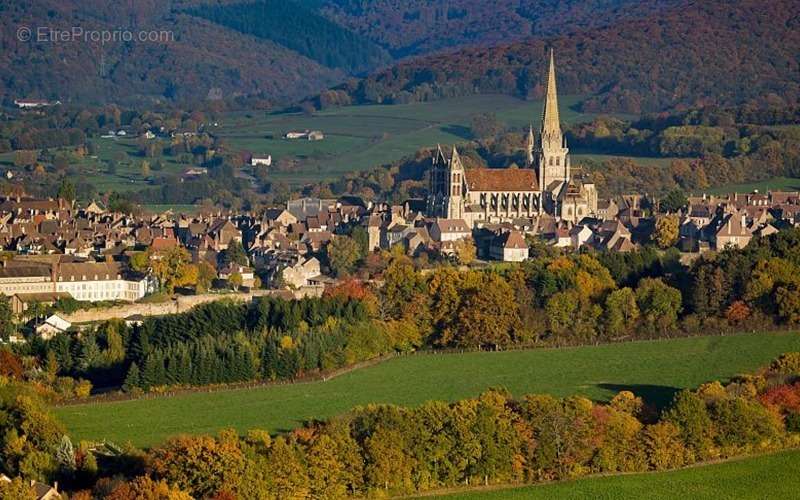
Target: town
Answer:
pixel 453 249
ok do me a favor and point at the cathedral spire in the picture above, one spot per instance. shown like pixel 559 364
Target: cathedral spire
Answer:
pixel 530 145
pixel 551 127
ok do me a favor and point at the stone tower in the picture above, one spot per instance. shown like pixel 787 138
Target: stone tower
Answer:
pixel 445 198
pixel 551 156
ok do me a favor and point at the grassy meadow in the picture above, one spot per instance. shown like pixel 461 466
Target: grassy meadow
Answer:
pixel 362 137
pixel 772 184
pixel 768 476
pixel 653 369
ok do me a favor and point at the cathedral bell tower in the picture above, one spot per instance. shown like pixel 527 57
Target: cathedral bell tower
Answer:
pixel 446 193
pixel 551 156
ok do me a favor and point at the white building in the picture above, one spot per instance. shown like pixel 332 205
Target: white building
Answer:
pixel 265 161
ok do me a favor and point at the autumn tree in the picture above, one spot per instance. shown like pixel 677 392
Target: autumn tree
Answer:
pixel 621 312
pixel 343 252
pixel 465 251
pixel 486 315
pixel 199 465
pixel 666 231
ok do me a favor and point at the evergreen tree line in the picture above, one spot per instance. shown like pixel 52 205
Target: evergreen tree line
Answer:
pixel 492 439
pixel 220 342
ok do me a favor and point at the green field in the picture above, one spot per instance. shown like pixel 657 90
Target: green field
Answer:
pixel 652 369
pixel 362 137
pixel 640 160
pixel 770 476
pixel 356 137
pixel 773 184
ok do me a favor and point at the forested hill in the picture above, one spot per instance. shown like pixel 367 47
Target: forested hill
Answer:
pixel 414 27
pixel 630 55
pixel 699 52
pixel 199 57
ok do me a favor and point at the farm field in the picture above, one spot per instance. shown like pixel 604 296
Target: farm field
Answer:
pixel 577 157
pixel 768 476
pixel 356 138
pixel 653 369
pixel 362 137
pixel 773 184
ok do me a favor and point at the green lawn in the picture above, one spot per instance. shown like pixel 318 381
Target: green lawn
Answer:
pixel 653 369
pixel 770 476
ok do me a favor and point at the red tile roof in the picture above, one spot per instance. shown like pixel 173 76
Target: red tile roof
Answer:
pixel 502 179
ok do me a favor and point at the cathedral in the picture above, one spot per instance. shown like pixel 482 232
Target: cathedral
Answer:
pixel 489 195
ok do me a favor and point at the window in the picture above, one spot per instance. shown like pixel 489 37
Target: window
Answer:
pixel 558 160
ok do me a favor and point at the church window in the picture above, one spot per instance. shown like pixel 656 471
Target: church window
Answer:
pixel 558 160
pixel 551 161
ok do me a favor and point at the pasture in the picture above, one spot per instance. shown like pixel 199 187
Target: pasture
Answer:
pixel 771 184
pixel 655 370
pixel 767 476
pixel 362 137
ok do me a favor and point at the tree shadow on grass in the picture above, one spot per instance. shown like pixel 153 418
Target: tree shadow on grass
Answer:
pixel 458 131
pixel 658 396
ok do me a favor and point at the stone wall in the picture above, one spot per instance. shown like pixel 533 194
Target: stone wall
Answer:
pixel 181 303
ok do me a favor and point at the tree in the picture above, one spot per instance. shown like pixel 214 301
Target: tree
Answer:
pixel 198 465
pixel 234 254
pixel 145 488
pixel 169 267
pixel 788 300
pixel 673 202
pixel 7 326
pixel 486 315
pixel 465 251
pixel 658 302
pixel 205 276
pixel 235 280
pixel 343 253
pixel 66 191
pixel 485 126
pixel 666 231
pixel 140 261
pixel 690 415
pixel 133 379
pixel 621 312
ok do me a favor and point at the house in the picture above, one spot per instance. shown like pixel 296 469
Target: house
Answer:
pixel 298 275
pixel 296 135
pixel 247 274
pixel 34 103
pixel 265 161
pixel 580 235
pixel 731 230
pixel 44 491
pixel 52 326
pixel 449 230
pixel 20 302
pixel 509 246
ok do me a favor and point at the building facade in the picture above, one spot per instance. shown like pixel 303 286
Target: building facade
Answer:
pixel 545 185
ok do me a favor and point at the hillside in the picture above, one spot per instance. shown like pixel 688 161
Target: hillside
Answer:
pixel 421 26
pixel 633 56
pixel 598 372
pixel 199 57
pixel 694 53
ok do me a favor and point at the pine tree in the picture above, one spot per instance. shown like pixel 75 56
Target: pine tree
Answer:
pixel 133 379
